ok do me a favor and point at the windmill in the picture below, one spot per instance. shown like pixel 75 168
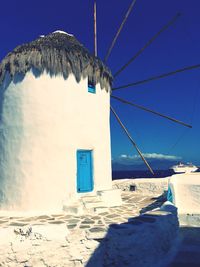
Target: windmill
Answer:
pixel 139 82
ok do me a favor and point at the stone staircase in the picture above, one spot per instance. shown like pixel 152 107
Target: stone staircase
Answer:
pixel 94 203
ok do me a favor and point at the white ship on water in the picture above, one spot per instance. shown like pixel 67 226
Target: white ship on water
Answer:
pixel 184 168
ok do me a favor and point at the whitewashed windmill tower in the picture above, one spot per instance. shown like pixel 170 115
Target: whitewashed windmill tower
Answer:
pixel 54 117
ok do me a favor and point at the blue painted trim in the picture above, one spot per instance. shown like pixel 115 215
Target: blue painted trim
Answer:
pixel 169 195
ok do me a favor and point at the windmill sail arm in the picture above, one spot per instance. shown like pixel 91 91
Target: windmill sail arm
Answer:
pixel 151 111
pixel 157 77
pixel 165 27
pixel 131 139
pixel 119 30
pixel 95 28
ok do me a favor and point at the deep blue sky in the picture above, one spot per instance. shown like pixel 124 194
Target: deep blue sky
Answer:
pixel 178 96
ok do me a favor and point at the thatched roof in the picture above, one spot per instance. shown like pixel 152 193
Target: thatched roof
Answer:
pixel 57 53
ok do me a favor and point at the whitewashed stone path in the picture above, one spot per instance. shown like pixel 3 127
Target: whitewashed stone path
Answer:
pixel 133 205
pixel 64 240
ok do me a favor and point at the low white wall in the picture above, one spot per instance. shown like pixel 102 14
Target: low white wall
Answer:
pixel 185 189
pixel 145 186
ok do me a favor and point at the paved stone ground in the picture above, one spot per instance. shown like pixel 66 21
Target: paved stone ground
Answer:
pixel 133 205
pixel 84 234
pixel 90 227
pixel 69 248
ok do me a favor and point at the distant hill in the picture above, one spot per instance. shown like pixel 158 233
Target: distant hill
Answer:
pixel 156 164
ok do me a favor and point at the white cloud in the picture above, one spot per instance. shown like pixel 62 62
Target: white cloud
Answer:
pixel 160 156
pixel 134 159
pixel 124 156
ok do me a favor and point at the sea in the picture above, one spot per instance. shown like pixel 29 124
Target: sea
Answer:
pixel 141 174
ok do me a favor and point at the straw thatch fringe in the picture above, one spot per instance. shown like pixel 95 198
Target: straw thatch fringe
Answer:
pixel 57 53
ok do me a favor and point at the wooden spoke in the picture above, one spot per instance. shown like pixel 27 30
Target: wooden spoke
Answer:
pixel 165 27
pixel 95 28
pixel 131 139
pixel 153 78
pixel 151 111
pixel 119 30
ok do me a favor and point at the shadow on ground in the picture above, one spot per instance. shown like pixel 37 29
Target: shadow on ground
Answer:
pixel 188 254
pixel 156 204
pixel 148 240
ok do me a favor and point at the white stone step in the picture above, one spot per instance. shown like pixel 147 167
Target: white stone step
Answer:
pixel 90 198
pixel 89 205
pixel 73 209
pixel 94 203
pixel 100 209
pixel 111 198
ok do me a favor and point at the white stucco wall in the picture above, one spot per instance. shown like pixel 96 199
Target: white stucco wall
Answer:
pixel 185 190
pixel 44 121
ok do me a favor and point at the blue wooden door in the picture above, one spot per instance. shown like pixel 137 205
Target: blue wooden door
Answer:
pixel 84 171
